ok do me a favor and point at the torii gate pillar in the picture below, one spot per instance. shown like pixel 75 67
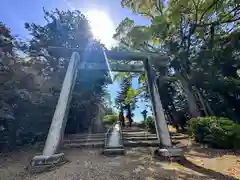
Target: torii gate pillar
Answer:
pixel 50 156
pixel 166 148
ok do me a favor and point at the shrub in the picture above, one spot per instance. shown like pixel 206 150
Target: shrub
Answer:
pixel 148 123
pixel 217 132
pixel 151 124
pixel 141 124
pixel 110 119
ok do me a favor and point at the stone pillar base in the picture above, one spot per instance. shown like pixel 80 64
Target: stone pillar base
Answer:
pixel 114 151
pixel 43 163
pixel 170 154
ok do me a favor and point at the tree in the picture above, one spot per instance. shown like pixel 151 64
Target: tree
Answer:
pixel 69 30
pixel 6 42
pixel 32 84
pixel 19 92
pixel 198 38
pixel 6 61
pixel 145 7
pixel 125 99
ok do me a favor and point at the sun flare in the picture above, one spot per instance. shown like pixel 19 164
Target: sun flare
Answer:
pixel 102 26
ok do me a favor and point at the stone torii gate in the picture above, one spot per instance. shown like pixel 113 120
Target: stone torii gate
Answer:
pixel 86 59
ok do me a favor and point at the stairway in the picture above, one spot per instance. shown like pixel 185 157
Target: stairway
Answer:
pixel 84 141
pixel 132 137
pixel 136 137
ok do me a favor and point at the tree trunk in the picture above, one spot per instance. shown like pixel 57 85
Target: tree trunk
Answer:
pixel 209 108
pixel 199 97
pixel 192 103
pixel 206 108
pixel 229 108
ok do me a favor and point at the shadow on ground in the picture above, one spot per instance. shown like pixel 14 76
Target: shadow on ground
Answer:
pixel 89 164
pixel 198 151
pixel 207 172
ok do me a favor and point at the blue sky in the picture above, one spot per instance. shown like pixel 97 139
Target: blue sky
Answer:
pixel 14 13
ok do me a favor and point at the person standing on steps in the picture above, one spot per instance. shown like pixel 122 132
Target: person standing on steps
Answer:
pixel 129 115
pixel 144 113
pixel 129 119
pixel 121 119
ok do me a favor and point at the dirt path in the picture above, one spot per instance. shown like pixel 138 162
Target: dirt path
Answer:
pixel 138 164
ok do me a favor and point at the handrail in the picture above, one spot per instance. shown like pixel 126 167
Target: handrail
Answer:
pixel 107 134
pixel 121 135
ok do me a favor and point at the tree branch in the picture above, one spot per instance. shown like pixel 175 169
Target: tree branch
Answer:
pixel 154 49
pixel 218 23
pixel 158 6
pixel 181 30
pixel 209 7
pixel 196 9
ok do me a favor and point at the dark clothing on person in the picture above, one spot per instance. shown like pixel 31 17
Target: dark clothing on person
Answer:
pixel 121 119
pixel 129 120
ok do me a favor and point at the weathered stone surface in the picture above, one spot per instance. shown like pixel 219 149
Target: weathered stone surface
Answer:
pixel 114 55
pixel 160 121
pixel 97 124
pixel 141 143
pixel 172 154
pixel 114 151
pixel 85 145
pixel 85 135
pixel 112 67
pixel 136 137
pixel 57 128
pixel 42 163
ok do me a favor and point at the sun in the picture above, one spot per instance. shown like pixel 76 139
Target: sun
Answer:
pixel 102 26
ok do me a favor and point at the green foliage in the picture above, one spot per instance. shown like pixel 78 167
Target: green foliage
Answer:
pixel 31 86
pixel 109 111
pixel 68 29
pixel 126 97
pixel 6 41
pixel 200 37
pixel 145 7
pixel 150 124
pixel 110 119
pixel 141 124
pixel 216 132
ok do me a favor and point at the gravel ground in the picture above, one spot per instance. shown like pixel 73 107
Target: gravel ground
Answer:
pixel 137 164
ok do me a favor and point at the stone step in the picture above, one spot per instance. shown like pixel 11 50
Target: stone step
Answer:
pixel 84 136
pixel 179 137
pixel 84 140
pixel 114 147
pixel 154 143
pixel 78 144
pixel 142 134
pixel 114 151
pixel 133 130
pixel 84 145
pixel 140 138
